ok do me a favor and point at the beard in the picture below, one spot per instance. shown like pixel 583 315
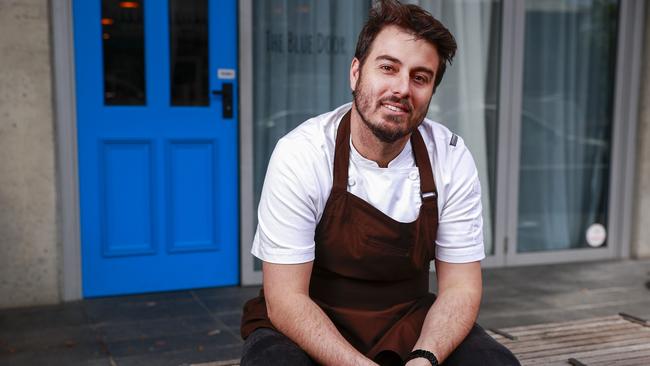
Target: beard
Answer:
pixel 395 127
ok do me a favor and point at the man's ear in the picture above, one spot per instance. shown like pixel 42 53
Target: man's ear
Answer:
pixel 354 73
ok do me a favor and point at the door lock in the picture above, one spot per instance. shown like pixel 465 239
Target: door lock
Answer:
pixel 226 99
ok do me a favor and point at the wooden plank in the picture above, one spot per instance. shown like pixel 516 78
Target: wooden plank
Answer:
pixel 503 334
pixel 571 340
pixel 498 337
pixel 586 348
pixel 575 362
pixel 616 356
pixel 609 340
pixel 592 331
pixel 544 360
pixel 553 346
pixel 635 319
pixel 575 335
pixel 565 327
pixel 639 361
pixel 516 329
pixel 581 328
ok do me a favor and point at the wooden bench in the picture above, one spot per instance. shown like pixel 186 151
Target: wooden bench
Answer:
pixel 612 340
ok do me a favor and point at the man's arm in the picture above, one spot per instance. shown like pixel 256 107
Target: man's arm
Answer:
pixel 292 312
pixel 454 312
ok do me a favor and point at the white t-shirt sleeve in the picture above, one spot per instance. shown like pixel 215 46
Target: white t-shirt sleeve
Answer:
pixel 287 213
pixel 460 227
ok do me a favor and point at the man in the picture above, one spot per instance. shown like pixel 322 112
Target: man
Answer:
pixel 355 205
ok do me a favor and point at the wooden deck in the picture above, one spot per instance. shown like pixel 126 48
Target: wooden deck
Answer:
pixel 613 340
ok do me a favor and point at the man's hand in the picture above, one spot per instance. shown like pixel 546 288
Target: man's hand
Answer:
pixel 454 312
pixel 292 312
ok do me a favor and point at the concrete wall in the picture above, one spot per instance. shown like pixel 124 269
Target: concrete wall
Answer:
pixel 641 226
pixel 28 224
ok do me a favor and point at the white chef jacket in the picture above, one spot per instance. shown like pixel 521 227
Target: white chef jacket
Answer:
pixel 299 180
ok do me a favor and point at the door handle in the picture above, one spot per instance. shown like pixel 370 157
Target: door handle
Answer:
pixel 226 99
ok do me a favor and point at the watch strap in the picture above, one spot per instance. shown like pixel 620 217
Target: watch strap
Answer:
pixel 422 353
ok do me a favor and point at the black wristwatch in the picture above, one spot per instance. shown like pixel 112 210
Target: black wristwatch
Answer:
pixel 423 354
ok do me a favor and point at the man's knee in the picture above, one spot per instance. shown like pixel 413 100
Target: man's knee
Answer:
pixel 478 348
pixel 267 347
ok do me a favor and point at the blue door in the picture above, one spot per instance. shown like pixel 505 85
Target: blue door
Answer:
pixel 156 86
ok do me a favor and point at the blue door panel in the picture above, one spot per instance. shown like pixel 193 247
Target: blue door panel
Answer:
pixel 158 183
pixel 192 204
pixel 126 189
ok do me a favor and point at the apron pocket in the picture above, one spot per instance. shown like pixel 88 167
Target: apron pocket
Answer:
pixel 384 248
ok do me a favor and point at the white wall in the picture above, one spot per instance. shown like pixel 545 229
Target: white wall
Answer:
pixel 28 220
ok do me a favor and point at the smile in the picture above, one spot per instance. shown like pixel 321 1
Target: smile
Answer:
pixel 393 108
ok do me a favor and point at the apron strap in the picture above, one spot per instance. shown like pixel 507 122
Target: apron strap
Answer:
pixel 342 155
pixel 424 248
pixel 427 184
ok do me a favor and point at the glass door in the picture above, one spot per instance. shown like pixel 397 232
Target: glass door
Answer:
pixel 467 101
pixel 563 131
pixel 300 53
pixel 533 92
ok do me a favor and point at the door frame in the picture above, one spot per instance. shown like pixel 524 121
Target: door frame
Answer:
pixel 65 116
pixel 247 211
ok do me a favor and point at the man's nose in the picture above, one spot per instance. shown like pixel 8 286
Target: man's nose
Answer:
pixel 401 85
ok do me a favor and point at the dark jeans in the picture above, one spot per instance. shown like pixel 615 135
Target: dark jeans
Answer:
pixel 268 347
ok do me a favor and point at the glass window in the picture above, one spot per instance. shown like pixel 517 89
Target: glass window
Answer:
pixel 467 99
pixel 123 47
pixel 188 35
pixel 301 60
pixel 302 54
pixel 566 122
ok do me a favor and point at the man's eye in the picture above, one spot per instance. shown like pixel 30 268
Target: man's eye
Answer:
pixel 421 79
pixel 386 67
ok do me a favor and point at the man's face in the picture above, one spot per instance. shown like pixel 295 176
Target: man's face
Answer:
pixel 394 86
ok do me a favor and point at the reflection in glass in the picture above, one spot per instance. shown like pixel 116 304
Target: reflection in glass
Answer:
pixel 302 51
pixel 188 34
pixel 568 87
pixel 123 47
pixel 467 99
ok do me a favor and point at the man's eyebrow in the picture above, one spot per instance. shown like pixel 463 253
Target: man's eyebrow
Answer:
pixel 388 58
pixel 424 70
pixel 397 61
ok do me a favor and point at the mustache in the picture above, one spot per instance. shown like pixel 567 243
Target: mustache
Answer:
pixel 401 101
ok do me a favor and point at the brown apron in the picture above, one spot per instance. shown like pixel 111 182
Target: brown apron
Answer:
pixel 371 273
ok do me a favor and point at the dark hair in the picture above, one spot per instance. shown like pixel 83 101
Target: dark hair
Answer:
pixel 413 19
